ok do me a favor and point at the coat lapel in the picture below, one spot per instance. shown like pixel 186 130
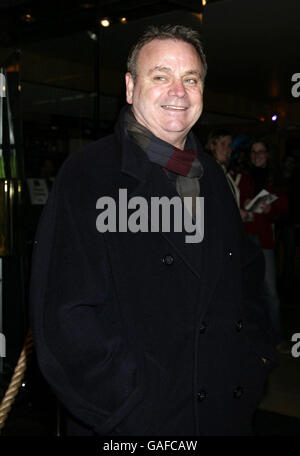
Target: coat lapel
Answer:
pixel 203 259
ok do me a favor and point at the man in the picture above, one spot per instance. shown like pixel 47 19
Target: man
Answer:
pixel 143 333
pixel 219 144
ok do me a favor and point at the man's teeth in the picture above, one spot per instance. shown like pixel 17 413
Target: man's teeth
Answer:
pixel 176 108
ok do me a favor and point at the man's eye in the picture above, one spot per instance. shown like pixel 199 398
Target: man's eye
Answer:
pixel 191 81
pixel 159 78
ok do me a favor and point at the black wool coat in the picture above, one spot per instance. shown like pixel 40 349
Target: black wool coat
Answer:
pixel 143 333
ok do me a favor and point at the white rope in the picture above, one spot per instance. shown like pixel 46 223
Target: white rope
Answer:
pixel 16 380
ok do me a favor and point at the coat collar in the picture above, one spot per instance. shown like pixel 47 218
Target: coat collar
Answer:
pixel 134 161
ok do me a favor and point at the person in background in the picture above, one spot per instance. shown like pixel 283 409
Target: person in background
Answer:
pixel 260 226
pixel 240 148
pixel 219 145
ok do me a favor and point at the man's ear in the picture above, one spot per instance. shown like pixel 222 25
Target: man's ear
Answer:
pixel 129 87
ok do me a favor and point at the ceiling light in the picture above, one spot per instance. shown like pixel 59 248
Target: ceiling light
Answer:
pixel 105 22
pixel 27 17
pixel 204 2
pixel 274 118
pixel 123 20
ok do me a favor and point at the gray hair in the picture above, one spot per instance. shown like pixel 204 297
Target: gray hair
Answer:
pixel 166 32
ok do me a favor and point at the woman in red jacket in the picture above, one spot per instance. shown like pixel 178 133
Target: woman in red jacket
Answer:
pixel 261 226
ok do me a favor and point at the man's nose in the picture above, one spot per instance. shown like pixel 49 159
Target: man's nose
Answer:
pixel 177 89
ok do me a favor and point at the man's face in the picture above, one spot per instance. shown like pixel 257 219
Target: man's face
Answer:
pixel 259 155
pixel 167 95
pixel 222 149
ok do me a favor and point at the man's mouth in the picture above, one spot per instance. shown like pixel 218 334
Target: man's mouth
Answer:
pixel 174 108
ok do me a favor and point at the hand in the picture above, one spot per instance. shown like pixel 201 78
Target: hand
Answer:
pixel 264 360
pixel 244 214
pixel 265 208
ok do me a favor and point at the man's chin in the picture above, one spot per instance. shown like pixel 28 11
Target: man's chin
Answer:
pixel 175 128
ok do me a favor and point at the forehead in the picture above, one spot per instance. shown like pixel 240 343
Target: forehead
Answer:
pixel 258 146
pixel 226 138
pixel 169 53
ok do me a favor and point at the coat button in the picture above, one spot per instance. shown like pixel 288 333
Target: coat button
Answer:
pixel 168 260
pixel 239 325
pixel 201 395
pixel 238 392
pixel 202 328
pixel 230 254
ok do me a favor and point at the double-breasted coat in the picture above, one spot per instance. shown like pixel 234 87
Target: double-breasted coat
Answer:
pixel 143 333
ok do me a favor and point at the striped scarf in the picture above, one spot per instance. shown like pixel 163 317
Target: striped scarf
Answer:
pixel 182 167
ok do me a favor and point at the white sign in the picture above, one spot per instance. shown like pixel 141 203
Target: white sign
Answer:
pixel 2 85
pixel 2 346
pixel 38 190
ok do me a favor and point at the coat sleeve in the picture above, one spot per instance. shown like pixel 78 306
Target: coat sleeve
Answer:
pixel 80 345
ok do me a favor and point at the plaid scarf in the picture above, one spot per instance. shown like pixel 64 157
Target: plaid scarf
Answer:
pixel 182 167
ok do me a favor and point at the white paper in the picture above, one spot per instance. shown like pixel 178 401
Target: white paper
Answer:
pixel 263 197
pixel 38 190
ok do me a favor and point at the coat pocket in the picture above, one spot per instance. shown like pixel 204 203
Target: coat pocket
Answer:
pixel 143 418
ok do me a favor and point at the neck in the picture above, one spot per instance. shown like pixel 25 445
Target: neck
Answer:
pixel 178 144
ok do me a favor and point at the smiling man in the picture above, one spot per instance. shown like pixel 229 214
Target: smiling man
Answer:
pixel 143 333
pixel 166 95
